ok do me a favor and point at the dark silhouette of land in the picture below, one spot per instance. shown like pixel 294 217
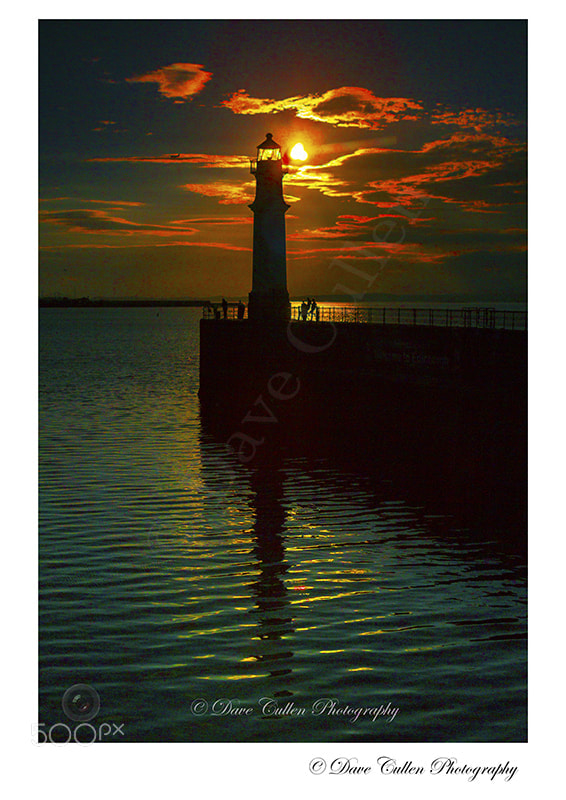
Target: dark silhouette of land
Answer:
pixel 86 302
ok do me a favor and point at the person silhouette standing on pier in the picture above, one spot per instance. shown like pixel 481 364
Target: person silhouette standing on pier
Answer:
pixel 224 308
pixel 314 309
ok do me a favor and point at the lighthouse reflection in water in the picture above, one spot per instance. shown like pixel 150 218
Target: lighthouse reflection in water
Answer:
pixel 174 578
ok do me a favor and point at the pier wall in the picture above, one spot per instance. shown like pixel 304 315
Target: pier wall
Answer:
pixel 447 397
pixel 238 356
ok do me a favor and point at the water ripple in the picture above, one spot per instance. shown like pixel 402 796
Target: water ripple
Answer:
pixel 169 573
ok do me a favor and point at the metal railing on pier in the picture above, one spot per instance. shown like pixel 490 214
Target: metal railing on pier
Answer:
pixel 471 317
pixel 467 317
pixel 216 311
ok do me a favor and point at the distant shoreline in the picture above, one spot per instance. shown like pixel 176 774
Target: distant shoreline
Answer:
pixel 66 302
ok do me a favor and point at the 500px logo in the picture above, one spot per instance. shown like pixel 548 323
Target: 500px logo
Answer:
pixel 84 733
pixel 81 703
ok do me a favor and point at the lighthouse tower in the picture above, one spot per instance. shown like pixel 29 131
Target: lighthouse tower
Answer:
pixel 269 298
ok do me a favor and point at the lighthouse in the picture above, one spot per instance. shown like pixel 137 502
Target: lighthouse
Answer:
pixel 269 298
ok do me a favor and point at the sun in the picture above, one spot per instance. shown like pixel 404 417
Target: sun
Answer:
pixel 299 153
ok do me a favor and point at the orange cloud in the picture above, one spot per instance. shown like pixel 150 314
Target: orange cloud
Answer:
pixel 110 203
pixel 201 159
pixel 355 106
pixel 356 218
pixel 215 221
pixel 478 119
pixel 105 124
pixel 228 193
pixel 348 106
pixel 445 169
pixel 360 250
pixel 178 82
pixel 346 225
pixel 129 246
pixel 242 103
pixel 100 222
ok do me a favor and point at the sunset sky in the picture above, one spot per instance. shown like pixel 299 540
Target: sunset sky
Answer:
pixel 415 181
